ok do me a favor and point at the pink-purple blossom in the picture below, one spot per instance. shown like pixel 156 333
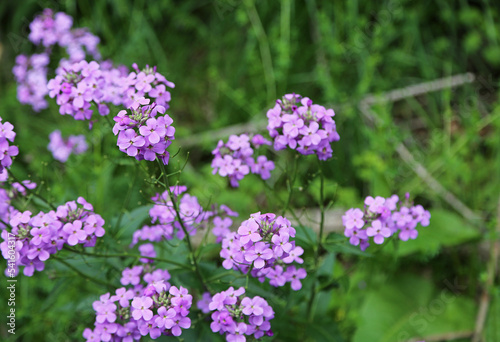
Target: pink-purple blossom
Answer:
pixel 264 247
pixel 381 219
pixel 297 123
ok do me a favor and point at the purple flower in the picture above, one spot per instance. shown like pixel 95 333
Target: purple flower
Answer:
pixel 382 219
pixel 259 255
pixel 141 308
pixel 177 323
pixel 299 124
pixel 165 317
pixel 236 317
pixel 141 135
pixel 234 159
pixel 62 148
pixel 75 232
pixel 262 246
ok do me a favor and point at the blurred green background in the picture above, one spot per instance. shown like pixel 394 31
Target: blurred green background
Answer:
pixel 230 60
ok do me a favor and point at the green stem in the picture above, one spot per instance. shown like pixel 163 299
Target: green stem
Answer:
pixel 126 255
pixel 125 203
pixel 175 205
pixel 290 182
pixel 32 192
pixel 95 280
pixel 318 248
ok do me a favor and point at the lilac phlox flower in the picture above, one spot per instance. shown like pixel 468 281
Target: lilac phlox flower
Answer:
pixel 353 218
pixel 203 303
pixel 356 236
pixel 221 227
pixel 75 232
pixel 165 317
pixel 263 246
pixel 234 159
pixel 292 125
pixel 249 232
pixel 141 309
pixel 176 323
pixel 296 275
pixel 259 255
pixel 131 275
pixel 383 219
pixel 106 313
pixel 408 232
pixel 147 250
pixel 281 244
pixel 375 205
pixel 297 123
pixel 263 167
pixel 294 255
pixel 378 231
pixel 237 333
pixel 251 306
pixel 143 136
pixel 123 296
pixel 7 151
pixel 62 148
pixel 236 317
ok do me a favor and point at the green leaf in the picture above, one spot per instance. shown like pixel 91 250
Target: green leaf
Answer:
pixel 131 221
pixel 345 248
pixel 492 330
pixel 445 229
pixel 305 237
pixel 411 307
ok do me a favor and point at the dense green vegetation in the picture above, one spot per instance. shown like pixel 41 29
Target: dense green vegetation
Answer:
pixel 230 60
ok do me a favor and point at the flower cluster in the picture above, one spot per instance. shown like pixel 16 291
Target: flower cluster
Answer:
pixel 147 83
pixel 62 148
pixel 143 135
pixel 381 218
pixel 8 193
pixel 39 236
pixel 236 317
pixel 152 309
pixel 49 29
pixel 7 151
pixel 167 225
pixel 235 159
pixel 30 73
pixel 262 246
pixel 76 87
pixel 299 124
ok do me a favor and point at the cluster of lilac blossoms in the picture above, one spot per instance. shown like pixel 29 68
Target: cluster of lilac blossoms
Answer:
pixel 235 159
pixel 30 73
pixel 152 307
pixel 76 87
pixel 8 194
pixel 262 246
pixel 236 316
pixel 62 148
pixel 303 126
pixel 7 151
pixel 143 135
pixel 39 236
pixel 166 224
pixel 48 30
pixel 381 218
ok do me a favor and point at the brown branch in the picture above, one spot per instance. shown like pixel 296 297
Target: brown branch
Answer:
pixel 492 269
pixel 404 153
pixel 445 337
